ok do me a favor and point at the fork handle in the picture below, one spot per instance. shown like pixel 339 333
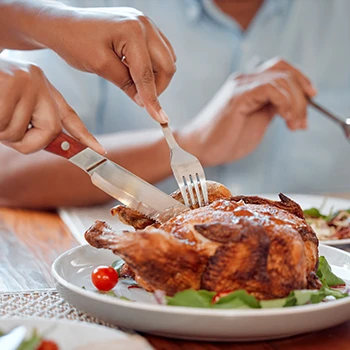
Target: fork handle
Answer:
pixel 326 112
pixel 169 137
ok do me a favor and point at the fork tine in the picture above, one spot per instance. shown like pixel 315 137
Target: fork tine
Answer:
pixel 190 190
pixel 204 188
pixel 196 187
pixel 182 187
pixel 187 170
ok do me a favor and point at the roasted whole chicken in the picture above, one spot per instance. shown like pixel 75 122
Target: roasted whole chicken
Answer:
pixel 242 242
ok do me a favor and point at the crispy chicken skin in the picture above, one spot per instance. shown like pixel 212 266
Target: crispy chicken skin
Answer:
pixel 138 221
pixel 251 243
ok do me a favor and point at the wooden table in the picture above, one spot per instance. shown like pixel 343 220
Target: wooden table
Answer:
pixel 31 240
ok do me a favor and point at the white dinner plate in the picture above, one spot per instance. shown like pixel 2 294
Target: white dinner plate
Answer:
pixel 73 268
pixel 73 335
pixel 324 203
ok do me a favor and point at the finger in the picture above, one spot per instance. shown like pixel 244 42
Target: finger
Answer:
pixel 298 102
pixel 34 140
pixel 165 39
pixel 265 94
pixel 163 64
pixel 73 124
pixel 279 98
pixel 42 132
pixel 117 72
pixel 302 79
pixel 295 111
pixel 141 72
pixel 45 121
pixel 284 107
pixel 170 48
pixel 21 117
pixel 9 97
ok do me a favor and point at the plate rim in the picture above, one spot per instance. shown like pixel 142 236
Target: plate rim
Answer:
pixel 191 310
pixel 335 242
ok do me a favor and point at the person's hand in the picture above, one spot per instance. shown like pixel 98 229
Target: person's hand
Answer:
pixel 28 98
pixel 235 120
pixel 121 45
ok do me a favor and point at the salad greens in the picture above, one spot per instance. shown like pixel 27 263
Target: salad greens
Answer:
pixel 203 298
pixel 193 298
pixel 240 299
pixel 117 265
pixel 302 297
pixel 32 343
pixel 325 274
pixel 315 213
pixel 334 226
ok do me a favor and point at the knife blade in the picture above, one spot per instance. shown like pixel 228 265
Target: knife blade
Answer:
pixel 118 182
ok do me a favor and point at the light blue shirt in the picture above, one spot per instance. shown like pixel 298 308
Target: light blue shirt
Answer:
pixel 313 34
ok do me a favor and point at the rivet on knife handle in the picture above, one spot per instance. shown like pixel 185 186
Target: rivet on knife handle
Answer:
pixel 65 146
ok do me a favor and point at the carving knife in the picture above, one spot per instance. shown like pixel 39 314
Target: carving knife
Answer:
pixel 118 182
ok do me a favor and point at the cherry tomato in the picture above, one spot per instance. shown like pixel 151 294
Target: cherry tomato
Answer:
pixel 220 295
pixel 48 345
pixel 104 278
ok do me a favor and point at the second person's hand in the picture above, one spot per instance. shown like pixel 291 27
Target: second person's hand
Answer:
pixel 234 122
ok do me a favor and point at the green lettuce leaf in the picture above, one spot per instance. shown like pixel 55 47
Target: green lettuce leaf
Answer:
pixel 337 294
pixel 239 299
pixel 303 297
pixel 313 213
pixel 274 303
pixel 32 343
pixel 325 274
pixel 192 298
pixel 118 264
pixel 307 296
pixel 316 296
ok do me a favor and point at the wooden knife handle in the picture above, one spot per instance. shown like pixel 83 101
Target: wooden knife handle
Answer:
pixel 65 146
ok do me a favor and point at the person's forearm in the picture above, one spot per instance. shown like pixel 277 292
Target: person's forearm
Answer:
pixel 46 181
pixel 145 153
pixel 28 25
